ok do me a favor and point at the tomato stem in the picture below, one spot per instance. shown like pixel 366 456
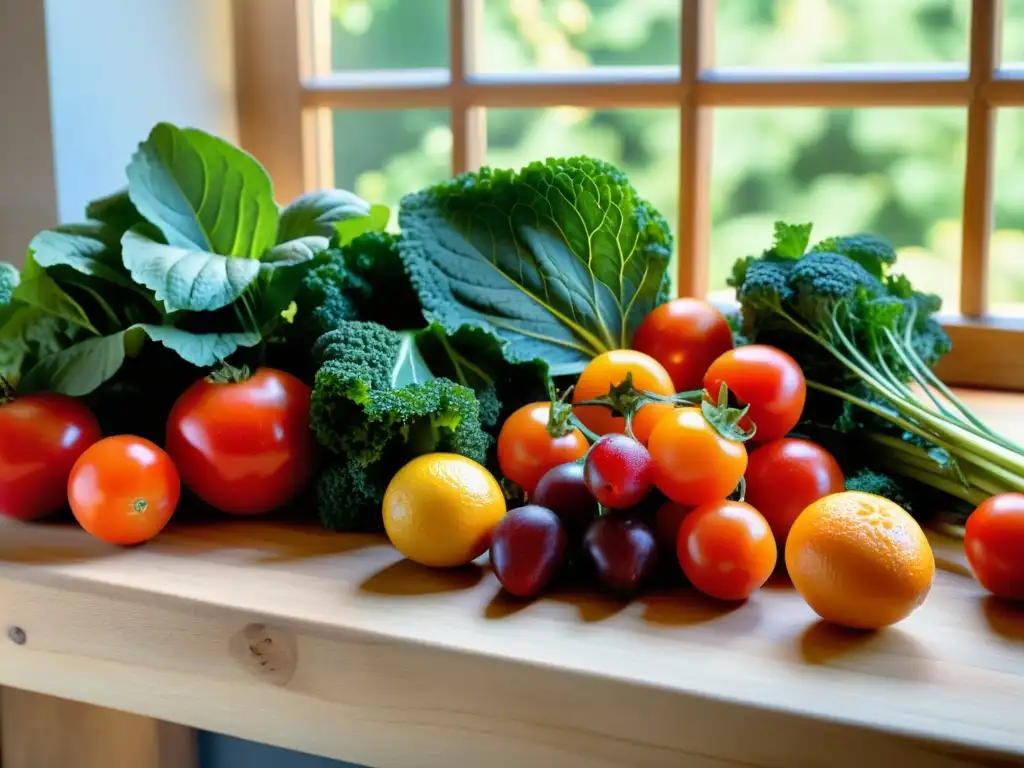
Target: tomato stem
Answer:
pixel 225 373
pixel 7 391
pixel 560 414
pixel 725 419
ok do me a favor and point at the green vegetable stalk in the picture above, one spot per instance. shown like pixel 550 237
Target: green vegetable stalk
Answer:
pixel 864 338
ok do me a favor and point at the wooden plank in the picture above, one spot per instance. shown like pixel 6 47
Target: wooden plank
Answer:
pixel 469 126
pixel 986 353
pixel 986 37
pixel 270 90
pixel 334 645
pixel 47 732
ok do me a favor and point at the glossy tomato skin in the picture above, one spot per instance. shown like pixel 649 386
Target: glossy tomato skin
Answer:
pixel 693 464
pixel 726 549
pixel 768 380
pixel 41 438
pixel 609 369
pixel 244 447
pixel 785 476
pixel 124 489
pixel 685 335
pixel 618 472
pixel 526 451
pixel 994 544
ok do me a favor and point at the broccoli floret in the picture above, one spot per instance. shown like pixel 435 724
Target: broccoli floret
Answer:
pixel 376 405
pixel 870 251
pixel 324 299
pixel 349 496
pixel 9 280
pixel 870 481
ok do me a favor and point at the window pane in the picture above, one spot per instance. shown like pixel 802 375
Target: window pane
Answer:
pixel 1006 252
pixel 895 172
pixel 807 33
pixel 388 34
pixel 573 34
pixel 1013 32
pixel 643 143
pixel 382 155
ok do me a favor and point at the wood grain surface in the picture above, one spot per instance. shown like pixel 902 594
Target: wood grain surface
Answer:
pixel 335 645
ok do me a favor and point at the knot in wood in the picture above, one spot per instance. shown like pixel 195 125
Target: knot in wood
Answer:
pixel 270 653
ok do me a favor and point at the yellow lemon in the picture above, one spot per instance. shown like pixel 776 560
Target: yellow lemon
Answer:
pixel 440 509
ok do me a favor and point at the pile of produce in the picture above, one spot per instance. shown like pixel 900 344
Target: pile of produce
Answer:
pixel 509 373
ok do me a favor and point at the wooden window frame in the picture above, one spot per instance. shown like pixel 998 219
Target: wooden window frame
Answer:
pixel 286 91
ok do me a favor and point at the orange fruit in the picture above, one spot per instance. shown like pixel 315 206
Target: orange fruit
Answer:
pixel 859 560
pixel 611 368
pixel 440 509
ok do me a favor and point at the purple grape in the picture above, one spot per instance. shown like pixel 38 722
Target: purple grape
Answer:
pixel 623 550
pixel 563 491
pixel 527 549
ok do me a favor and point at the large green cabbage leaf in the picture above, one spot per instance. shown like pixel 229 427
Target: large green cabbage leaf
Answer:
pixel 560 261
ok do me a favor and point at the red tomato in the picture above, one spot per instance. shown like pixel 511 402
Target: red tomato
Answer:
pixel 244 447
pixel 693 463
pixel 526 451
pixel 726 549
pixel 611 368
pixel 785 476
pixel 124 489
pixel 684 335
pixel 994 544
pixel 41 437
pixel 768 380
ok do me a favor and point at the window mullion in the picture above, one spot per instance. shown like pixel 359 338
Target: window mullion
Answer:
pixel 986 19
pixel 468 123
pixel 693 243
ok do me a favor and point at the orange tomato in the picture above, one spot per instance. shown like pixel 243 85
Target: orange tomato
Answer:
pixel 124 489
pixel 526 451
pixel 607 370
pixel 693 463
pixel 647 418
pixel 726 549
pixel 859 560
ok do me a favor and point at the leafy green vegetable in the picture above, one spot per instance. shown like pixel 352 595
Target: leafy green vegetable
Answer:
pixel 184 278
pixel 863 335
pixel 37 289
pixel 9 279
pixel 116 211
pixel 202 193
pixel 375 405
pixel 88 249
pixel 560 261
pixel 320 213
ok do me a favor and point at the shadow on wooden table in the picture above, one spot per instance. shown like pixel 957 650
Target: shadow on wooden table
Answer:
pixel 405 578
pixel 1004 617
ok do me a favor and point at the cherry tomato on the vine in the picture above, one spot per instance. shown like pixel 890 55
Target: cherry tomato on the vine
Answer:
pixel 609 369
pixel 685 335
pixel 647 418
pixel 768 380
pixel 526 450
pixel 123 489
pixel 244 447
pixel 726 549
pixel 41 438
pixel 693 463
pixel 994 544
pixel 785 476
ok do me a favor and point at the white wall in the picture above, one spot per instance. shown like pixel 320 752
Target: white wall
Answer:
pixel 118 67
pixel 27 200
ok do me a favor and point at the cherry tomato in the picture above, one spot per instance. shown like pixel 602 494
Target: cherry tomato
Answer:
pixel 41 438
pixel 244 447
pixel 124 489
pixel 647 418
pixel 617 472
pixel 693 463
pixel 768 380
pixel 726 549
pixel 685 335
pixel 526 450
pixel 785 476
pixel 994 544
pixel 611 368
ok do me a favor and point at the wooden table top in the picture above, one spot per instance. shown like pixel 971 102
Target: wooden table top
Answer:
pixel 333 644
